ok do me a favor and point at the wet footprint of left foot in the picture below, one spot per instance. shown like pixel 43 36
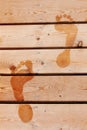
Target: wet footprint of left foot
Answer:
pixel 63 59
pixel 25 111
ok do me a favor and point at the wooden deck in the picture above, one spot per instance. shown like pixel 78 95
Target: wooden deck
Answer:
pixel 43 59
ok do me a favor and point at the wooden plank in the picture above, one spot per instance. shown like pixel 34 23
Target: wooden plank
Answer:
pixel 43 35
pixel 43 88
pixel 16 11
pixel 43 61
pixel 45 117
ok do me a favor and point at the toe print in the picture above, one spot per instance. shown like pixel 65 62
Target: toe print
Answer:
pixel 17 82
pixel 63 59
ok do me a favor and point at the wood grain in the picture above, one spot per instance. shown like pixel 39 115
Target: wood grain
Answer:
pixel 46 88
pixel 43 35
pixel 14 11
pixel 43 61
pixel 45 117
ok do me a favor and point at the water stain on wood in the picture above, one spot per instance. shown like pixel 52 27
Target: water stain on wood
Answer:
pixel 25 113
pixel 63 59
pixel 80 44
pixel 41 88
pixel 17 82
pixel 38 38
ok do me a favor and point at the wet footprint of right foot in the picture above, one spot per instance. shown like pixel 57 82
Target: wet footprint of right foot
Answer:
pixel 63 59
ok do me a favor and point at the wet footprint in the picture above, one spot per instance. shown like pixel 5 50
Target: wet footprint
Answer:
pixel 63 59
pixel 17 82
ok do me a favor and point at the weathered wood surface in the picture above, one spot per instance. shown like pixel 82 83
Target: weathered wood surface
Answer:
pixel 45 117
pixel 16 11
pixel 44 88
pixel 43 61
pixel 43 35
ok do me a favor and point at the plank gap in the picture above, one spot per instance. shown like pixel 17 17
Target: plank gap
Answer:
pixel 42 48
pixel 45 23
pixel 44 74
pixel 43 102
